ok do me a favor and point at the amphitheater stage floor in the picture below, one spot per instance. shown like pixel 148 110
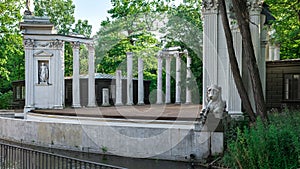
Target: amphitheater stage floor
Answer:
pixel 148 112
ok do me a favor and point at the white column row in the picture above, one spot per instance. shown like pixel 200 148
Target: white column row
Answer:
pixel 76 76
pixel 168 79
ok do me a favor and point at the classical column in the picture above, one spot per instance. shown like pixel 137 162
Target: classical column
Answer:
pixel 188 78
pixel 75 80
pixel 29 76
pixel 140 81
pixel 91 84
pixel 178 79
pixel 159 80
pixel 168 79
pixel 129 79
pixel 118 88
pixel 277 52
pixel 210 44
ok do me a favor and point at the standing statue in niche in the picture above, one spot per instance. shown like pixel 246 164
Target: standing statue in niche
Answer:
pixel 44 73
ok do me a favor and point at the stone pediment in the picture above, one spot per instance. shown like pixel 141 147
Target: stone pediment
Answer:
pixel 43 54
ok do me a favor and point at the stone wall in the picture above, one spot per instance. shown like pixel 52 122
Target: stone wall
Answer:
pixel 137 141
pixel 275 82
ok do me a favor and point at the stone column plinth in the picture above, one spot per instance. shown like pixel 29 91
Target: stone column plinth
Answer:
pixel 140 81
pixel 105 97
pixel 75 80
pixel 91 84
pixel 129 79
pixel 168 79
pixel 178 79
pixel 159 80
pixel 118 88
pixel 188 78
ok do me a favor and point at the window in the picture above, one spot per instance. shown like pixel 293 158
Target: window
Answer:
pixel 291 87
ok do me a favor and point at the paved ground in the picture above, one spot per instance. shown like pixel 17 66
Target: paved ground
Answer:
pixel 149 112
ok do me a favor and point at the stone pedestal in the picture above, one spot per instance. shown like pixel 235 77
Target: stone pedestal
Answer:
pixel 159 80
pixel 178 79
pixel 140 81
pixel 118 88
pixel 129 79
pixel 105 97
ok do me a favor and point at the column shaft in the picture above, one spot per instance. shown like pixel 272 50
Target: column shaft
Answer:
pixel 159 80
pixel 178 79
pixel 129 79
pixel 188 79
pixel 91 90
pixel 140 81
pixel 118 88
pixel 168 79
pixel 75 80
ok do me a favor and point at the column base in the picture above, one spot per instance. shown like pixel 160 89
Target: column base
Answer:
pixel 188 103
pixel 177 103
pixel 58 107
pixel 141 104
pixel 129 104
pixel 119 104
pixel 91 105
pixel 159 103
pixel 76 106
pixel 105 105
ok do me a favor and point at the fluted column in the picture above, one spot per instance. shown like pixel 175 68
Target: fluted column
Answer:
pixel 159 80
pixel 178 79
pixel 188 78
pixel 75 80
pixel 129 79
pixel 91 84
pixel 168 79
pixel 140 81
pixel 29 76
pixel 118 88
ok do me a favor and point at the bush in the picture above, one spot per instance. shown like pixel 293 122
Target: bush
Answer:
pixel 6 100
pixel 264 146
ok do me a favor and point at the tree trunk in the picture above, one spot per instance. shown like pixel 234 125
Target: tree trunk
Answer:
pixel 233 63
pixel 242 15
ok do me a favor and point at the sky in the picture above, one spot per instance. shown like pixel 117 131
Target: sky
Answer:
pixel 94 11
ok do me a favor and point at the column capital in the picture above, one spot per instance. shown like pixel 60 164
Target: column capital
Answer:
pixel 210 6
pixel 28 43
pixel 129 54
pixel 90 46
pixel 75 45
pixel 254 7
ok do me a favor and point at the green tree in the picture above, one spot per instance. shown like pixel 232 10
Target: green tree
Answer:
pixel 287 26
pixel 11 53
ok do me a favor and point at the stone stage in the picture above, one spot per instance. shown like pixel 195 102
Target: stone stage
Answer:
pixel 148 112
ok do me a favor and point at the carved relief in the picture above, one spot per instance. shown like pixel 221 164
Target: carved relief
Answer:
pixel 57 44
pixel 29 43
pixel 209 5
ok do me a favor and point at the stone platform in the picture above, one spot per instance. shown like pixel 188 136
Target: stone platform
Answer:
pixel 149 112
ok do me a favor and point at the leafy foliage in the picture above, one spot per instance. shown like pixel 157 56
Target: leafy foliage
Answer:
pixel 287 26
pixel 273 145
pixel 5 99
pixel 11 50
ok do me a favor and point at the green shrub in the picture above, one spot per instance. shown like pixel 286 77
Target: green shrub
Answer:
pixel 5 100
pixel 275 145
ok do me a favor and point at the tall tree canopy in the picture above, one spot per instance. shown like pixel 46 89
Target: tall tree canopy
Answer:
pixel 11 50
pixel 287 26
